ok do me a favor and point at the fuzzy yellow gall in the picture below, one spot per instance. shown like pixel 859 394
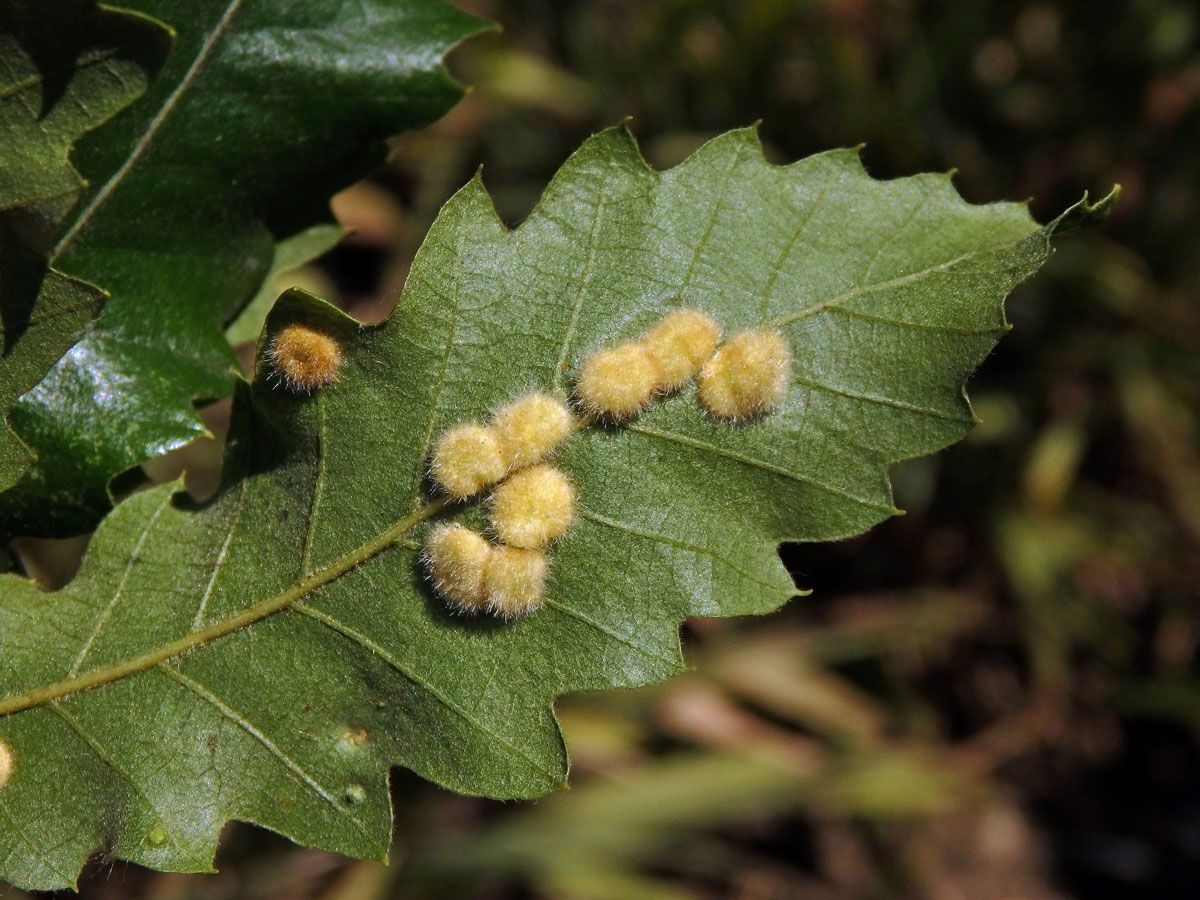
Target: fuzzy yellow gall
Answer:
pixel 6 763
pixel 748 376
pixel 516 581
pixel 457 560
pixel 531 427
pixel 679 344
pixel 533 508
pixel 304 358
pixel 619 382
pixel 466 459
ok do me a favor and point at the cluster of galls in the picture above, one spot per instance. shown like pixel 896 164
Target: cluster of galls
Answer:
pixel 746 377
pixel 534 504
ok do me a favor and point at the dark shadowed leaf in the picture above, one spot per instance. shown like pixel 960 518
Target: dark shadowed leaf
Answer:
pixel 67 67
pixel 262 111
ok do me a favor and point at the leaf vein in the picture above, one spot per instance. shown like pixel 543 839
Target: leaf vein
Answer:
pixel 588 620
pixel 314 508
pixel 366 643
pixel 108 760
pixel 104 616
pixel 581 294
pixel 220 561
pixel 882 401
pixel 443 374
pixel 863 290
pixel 769 287
pixel 713 216
pixel 86 61
pixel 895 233
pixel 918 326
pixel 64 876
pixel 270 746
pixel 673 542
pixel 756 464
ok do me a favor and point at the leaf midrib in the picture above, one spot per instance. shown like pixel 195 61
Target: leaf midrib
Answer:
pixel 309 583
pixel 194 639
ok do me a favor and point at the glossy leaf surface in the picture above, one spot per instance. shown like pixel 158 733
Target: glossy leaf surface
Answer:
pixel 66 67
pixel 263 110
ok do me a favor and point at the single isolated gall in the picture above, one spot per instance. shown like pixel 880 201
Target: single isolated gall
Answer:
pixel 516 580
pixel 304 358
pixel 6 763
pixel 748 376
pixel 619 382
pixel 530 428
pixel 679 344
pixel 533 508
pixel 466 459
pixel 457 559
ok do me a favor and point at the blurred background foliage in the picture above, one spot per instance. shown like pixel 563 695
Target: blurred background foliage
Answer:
pixel 996 696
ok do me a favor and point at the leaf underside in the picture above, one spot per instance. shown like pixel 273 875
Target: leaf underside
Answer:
pixel 262 111
pixel 890 293
pixel 63 71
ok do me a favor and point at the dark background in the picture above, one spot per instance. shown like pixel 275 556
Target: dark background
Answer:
pixel 995 697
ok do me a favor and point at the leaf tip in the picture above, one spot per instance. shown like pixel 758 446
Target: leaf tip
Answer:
pixel 472 204
pixel 1084 214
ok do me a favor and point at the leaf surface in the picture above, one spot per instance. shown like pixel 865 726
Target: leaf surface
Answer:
pixel 263 110
pixel 270 656
pixel 66 67
pixel 290 254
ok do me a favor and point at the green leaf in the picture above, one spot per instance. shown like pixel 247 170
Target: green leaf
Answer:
pixel 263 110
pixel 269 656
pixel 290 254
pixel 62 309
pixel 68 67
